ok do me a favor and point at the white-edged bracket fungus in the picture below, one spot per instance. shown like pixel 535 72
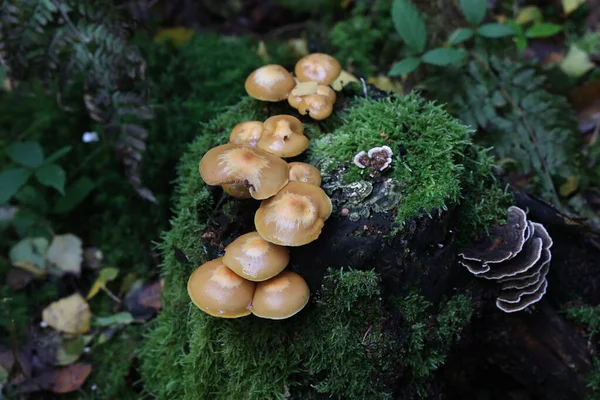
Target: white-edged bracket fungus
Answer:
pixel 318 67
pixel 294 216
pixel 252 257
pixel 263 173
pixel 283 136
pixel 517 256
pixel 280 297
pixel 305 173
pixel 377 158
pixel 247 133
pixel 270 83
pixel 218 291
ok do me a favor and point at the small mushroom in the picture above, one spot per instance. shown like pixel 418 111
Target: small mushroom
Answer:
pixel 237 190
pixel 283 136
pixel 252 257
pixel 246 133
pixel 280 297
pixel 318 67
pixel 263 173
pixel 317 106
pixel 328 92
pixel 303 172
pixel 218 291
pixel 294 216
pixel 270 83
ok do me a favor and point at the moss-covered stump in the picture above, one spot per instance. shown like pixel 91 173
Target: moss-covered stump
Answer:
pixel 384 311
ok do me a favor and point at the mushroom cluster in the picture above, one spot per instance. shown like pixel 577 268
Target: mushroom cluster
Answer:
pixel 517 256
pixel 309 91
pixel 250 278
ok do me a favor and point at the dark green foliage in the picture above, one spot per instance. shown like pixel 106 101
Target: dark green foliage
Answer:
pixel 315 7
pixel 428 339
pixel 434 143
pixel 525 123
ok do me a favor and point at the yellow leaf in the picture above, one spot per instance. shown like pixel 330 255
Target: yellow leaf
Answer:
pixel 385 83
pixel 342 80
pixel 304 88
pixel 104 276
pixel 576 63
pixel 70 314
pixel 571 5
pixel 297 47
pixel 529 14
pixel 31 267
pixel 66 253
pixel 178 36
pixel 569 187
pixel 262 52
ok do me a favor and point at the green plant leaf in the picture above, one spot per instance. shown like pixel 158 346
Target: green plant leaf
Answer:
pixel 53 176
pixel 495 30
pixel 74 194
pixel 410 25
pixel 124 317
pixel 529 14
pixel 58 154
pixel 11 181
pixel 474 10
pixel 460 35
pixel 543 30
pixel 29 154
pixel 405 66
pixel 443 56
pixel 2 74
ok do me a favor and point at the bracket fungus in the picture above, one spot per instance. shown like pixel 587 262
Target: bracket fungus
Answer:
pixel 246 133
pixel 318 67
pixel 377 158
pixel 263 173
pixel 252 257
pixel 283 136
pixel 305 173
pixel 280 297
pixel 294 216
pixel 218 291
pixel 270 83
pixel 517 256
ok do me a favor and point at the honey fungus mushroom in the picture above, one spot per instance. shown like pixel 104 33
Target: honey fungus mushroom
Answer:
pixel 237 190
pixel 262 173
pixel 280 297
pixel 270 83
pixel 319 67
pixel 305 173
pixel 218 291
pixel 283 136
pixel 317 106
pixel 253 258
pixel 294 216
pixel 246 133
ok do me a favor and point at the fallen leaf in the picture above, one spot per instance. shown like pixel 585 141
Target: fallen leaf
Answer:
pixel 529 14
pixel 18 278
pixel 92 257
pixel 576 63
pixel 71 349
pixel 66 253
pixel 149 296
pixel 571 5
pixel 119 318
pixel 262 52
pixel 304 88
pixel 342 80
pixel 133 300
pixel 70 314
pixel 385 83
pixel 298 47
pixel 70 378
pixel 30 254
pixel 178 36
pixel 106 275
pixel 569 187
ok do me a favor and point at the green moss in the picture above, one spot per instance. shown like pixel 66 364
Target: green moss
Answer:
pixel 434 142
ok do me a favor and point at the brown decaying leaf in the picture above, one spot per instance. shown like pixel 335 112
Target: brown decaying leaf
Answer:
pixel 70 378
pixel 18 278
pixel 149 296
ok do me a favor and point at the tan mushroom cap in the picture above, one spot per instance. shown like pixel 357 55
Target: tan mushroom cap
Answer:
pixel 218 291
pixel 263 173
pixel 317 106
pixel 237 190
pixel 283 136
pixel 306 173
pixel 328 92
pixel 294 216
pixel 252 257
pixel 280 297
pixel 270 83
pixel 294 101
pixel 318 67
pixel 246 133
